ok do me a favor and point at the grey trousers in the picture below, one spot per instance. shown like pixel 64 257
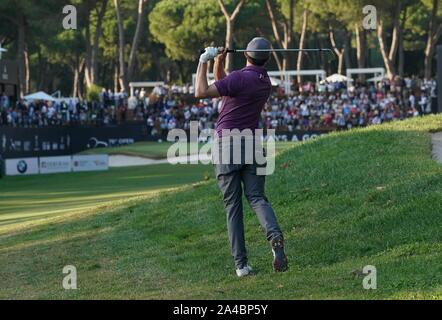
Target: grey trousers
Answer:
pixel 231 182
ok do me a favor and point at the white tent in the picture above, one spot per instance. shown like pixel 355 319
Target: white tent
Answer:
pixel 337 78
pixel 145 84
pixel 40 96
pixel 377 79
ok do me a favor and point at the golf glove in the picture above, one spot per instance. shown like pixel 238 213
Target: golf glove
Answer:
pixel 209 54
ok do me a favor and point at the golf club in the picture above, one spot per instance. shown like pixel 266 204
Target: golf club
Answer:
pixel 327 50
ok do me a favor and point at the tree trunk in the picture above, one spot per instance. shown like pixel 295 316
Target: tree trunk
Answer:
pixel 340 63
pixel 288 32
pixel 396 33
pixel 181 71
pixel 302 43
pixel 95 46
pixel 136 39
pixel 432 39
pixel 278 64
pixel 75 83
pixel 281 44
pixel 116 77
pixel 389 65
pixel 346 49
pixel 429 52
pixel 361 47
pixel 289 35
pixel 21 55
pixel 27 69
pixel 229 44
pixel 40 68
pixel 401 63
pixel 43 85
pixel 122 72
pixel 230 21
pixel 77 69
pixel 88 70
pixel 341 53
pixel 80 82
pixel 390 57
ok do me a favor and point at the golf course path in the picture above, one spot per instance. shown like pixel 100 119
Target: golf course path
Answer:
pixel 437 146
pixel 116 161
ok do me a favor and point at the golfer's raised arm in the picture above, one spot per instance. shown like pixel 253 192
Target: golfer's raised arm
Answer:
pixel 202 88
pixel 219 71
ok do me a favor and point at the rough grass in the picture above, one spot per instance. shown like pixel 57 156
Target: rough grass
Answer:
pixel 365 197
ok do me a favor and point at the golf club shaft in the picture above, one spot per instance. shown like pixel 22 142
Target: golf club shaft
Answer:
pixel 276 50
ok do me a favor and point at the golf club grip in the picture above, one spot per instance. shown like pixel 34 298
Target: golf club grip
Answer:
pixel 228 51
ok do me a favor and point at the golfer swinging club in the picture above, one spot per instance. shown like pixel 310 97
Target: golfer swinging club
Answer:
pixel 244 93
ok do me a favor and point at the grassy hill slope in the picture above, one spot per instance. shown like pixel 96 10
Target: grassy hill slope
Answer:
pixel 346 200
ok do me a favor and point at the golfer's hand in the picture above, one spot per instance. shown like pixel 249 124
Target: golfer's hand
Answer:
pixel 221 57
pixel 209 54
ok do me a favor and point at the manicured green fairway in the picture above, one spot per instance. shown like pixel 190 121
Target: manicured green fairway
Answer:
pixel 39 199
pixel 155 150
pixel 346 200
pixel 152 150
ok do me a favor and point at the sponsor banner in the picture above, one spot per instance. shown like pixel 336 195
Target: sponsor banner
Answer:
pixel 90 163
pixel 58 141
pixel 34 142
pixel 24 166
pixel 286 136
pixel 298 135
pixel 55 164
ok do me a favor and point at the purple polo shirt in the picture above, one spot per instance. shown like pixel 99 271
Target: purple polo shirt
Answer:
pixel 244 93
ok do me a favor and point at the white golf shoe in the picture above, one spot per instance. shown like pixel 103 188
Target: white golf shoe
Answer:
pixel 244 271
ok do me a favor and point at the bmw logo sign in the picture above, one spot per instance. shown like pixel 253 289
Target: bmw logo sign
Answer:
pixel 22 166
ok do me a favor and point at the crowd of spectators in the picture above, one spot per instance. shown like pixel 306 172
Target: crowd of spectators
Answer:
pixel 334 106
pixel 326 106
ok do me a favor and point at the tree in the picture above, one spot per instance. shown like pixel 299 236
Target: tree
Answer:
pixel 112 45
pixel 361 45
pixel 302 41
pixel 92 47
pixel 26 17
pixel 354 20
pixel 343 52
pixel 230 21
pixel 401 63
pixel 127 71
pixel 340 19
pixel 389 52
pixel 185 27
pixel 121 41
pixel 433 35
pixel 137 37
pixel 286 24
pixel 15 13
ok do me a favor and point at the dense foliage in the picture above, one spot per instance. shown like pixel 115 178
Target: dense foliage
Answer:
pixel 118 41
